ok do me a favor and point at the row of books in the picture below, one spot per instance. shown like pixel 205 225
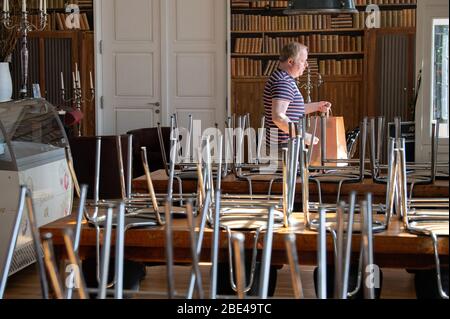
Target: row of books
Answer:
pixel 258 4
pixel 248 67
pixel 317 43
pixel 387 19
pixel 341 67
pixel 61 4
pixel 60 22
pixel 366 2
pixel 248 45
pixel 245 22
pixel 284 4
pixel 272 65
pixel 262 23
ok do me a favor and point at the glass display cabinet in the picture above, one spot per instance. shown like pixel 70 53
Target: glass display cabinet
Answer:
pixel 32 153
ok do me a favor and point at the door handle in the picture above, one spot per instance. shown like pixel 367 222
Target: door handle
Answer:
pixel 157 104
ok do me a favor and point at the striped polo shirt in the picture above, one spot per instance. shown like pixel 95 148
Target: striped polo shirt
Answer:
pixel 282 86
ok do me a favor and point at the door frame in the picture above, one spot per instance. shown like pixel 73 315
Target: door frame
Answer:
pixel 164 72
pixel 98 67
pixel 426 11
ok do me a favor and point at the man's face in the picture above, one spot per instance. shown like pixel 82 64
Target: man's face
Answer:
pixel 299 64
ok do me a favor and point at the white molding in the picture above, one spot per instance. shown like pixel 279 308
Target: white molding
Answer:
pixel 164 43
pixel 98 66
pixel 228 111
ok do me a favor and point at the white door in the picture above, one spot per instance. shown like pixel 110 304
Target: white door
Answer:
pixel 194 35
pixel 131 65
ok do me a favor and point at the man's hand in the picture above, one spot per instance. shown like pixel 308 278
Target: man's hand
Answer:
pixel 323 106
pixel 309 137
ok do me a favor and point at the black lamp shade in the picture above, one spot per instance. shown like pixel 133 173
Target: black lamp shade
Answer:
pixel 320 6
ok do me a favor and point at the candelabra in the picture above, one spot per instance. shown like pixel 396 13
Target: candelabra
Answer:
pixel 77 96
pixel 23 27
pixel 309 85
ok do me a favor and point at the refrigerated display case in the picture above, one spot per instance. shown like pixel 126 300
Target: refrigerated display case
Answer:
pixel 32 153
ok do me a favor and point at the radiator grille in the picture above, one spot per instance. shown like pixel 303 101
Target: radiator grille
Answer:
pixel 23 257
pixel 57 60
pixel 392 56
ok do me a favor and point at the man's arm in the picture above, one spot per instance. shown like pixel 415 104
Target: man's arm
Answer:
pixel 322 106
pixel 279 117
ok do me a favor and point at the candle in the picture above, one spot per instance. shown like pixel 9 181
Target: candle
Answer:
pixel 78 79
pixel 40 5
pixel 74 80
pixel 92 82
pixel 45 6
pixel 24 5
pixel 62 81
pixel 4 5
pixel 7 5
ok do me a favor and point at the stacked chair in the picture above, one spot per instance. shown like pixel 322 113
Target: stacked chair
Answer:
pixel 238 219
pixel 421 216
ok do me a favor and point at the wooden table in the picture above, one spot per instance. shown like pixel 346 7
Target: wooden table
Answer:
pixel 260 185
pixel 393 248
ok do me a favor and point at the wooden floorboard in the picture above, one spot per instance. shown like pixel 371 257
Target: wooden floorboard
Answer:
pixel 397 283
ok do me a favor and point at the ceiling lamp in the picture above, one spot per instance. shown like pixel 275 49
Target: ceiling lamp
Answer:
pixel 320 6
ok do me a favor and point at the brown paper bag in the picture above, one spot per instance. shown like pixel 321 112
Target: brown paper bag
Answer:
pixel 336 144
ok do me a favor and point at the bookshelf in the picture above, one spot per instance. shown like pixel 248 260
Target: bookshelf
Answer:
pixel 57 14
pixel 338 46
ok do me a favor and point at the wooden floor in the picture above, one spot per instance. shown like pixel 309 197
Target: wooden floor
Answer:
pixel 397 283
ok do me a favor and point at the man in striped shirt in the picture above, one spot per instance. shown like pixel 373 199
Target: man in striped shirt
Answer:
pixel 283 101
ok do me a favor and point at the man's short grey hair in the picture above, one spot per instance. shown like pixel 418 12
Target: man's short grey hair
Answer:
pixel 291 51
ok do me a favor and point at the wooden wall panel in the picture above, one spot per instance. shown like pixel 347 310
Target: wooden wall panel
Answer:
pixel 247 97
pixel 346 98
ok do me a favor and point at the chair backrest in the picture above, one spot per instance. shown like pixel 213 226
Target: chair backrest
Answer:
pixel 148 137
pixel 84 152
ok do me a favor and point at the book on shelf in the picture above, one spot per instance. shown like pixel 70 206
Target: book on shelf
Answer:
pixel 348 67
pixel 382 2
pixel 258 4
pixel 60 24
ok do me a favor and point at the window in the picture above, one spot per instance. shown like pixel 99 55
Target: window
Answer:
pixel 439 96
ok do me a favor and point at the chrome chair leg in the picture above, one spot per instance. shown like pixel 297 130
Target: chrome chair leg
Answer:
pixel 366 214
pixel 238 247
pixel 322 255
pixel 12 241
pixel 169 250
pixel 199 244
pixel 266 256
pixel 291 250
pixel 348 246
pixel 120 247
pixel 438 267
pixel 77 236
pixel 195 262
pixel 215 246
pixel 105 255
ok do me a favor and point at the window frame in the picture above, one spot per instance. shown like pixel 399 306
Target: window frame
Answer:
pixel 427 12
